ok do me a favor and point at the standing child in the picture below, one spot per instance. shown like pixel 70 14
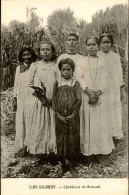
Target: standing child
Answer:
pixel 95 132
pixel 115 82
pixel 41 138
pixel 21 93
pixel 66 103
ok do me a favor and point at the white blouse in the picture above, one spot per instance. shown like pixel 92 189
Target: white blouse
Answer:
pixel 91 73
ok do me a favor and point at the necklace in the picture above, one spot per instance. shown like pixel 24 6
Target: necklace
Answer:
pixel 96 72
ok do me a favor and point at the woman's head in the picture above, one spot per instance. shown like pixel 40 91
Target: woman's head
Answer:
pixel 92 45
pixel 106 42
pixel 66 67
pixel 27 55
pixel 47 51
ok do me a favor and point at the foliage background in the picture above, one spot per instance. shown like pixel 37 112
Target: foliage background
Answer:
pixel 59 23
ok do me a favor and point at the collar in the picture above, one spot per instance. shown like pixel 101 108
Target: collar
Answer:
pixel 106 53
pixel 95 56
pixel 50 63
pixel 70 82
pixel 71 53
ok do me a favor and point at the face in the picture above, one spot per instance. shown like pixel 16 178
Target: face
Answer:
pixel 27 57
pixel 66 71
pixel 46 51
pixel 71 44
pixel 92 47
pixel 105 45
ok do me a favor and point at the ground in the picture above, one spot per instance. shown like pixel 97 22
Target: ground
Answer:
pixel 114 165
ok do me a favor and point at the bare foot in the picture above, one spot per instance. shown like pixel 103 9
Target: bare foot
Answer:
pixel 73 171
pixel 22 152
pixel 63 169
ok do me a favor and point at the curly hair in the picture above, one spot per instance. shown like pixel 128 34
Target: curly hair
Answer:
pixel 66 61
pixel 53 57
pixel 33 55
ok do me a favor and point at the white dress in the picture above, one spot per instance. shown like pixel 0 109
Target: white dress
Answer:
pixel 95 134
pixel 115 80
pixel 22 93
pixel 74 57
pixel 41 138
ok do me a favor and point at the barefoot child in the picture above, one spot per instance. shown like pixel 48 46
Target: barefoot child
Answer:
pixel 66 103
pixel 41 138
pixel 21 93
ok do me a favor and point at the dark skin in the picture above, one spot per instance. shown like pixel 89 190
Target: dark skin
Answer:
pixel 92 48
pixel 66 73
pixel 46 53
pixel 26 56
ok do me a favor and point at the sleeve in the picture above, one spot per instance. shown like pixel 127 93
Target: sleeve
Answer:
pixel 57 72
pixel 79 97
pixel 54 98
pixel 120 72
pixel 17 76
pixel 32 74
pixel 80 74
pixel 58 75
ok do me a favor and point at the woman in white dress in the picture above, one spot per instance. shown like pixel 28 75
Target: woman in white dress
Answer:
pixel 41 138
pixel 95 134
pixel 115 82
pixel 21 93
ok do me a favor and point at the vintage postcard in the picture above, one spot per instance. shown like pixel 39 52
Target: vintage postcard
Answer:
pixel 64 97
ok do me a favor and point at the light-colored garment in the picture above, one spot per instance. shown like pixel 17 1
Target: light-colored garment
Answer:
pixel 70 82
pixel 22 93
pixel 95 135
pixel 74 57
pixel 115 80
pixel 41 138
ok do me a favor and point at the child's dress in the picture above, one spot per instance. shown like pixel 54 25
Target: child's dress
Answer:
pixel 114 70
pixel 66 100
pixel 95 133
pixel 21 92
pixel 41 138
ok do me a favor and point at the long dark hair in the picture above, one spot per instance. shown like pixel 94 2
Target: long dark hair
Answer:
pixel 33 55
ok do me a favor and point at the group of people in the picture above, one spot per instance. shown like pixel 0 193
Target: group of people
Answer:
pixel 69 106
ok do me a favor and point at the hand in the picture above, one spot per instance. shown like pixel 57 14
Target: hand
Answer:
pixel 99 92
pixel 46 102
pixel 61 118
pixel 69 118
pixel 94 101
pixel 38 89
pixel 49 101
pixel 52 146
pixel 92 95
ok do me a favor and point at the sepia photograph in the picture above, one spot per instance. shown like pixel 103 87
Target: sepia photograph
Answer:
pixel 64 90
